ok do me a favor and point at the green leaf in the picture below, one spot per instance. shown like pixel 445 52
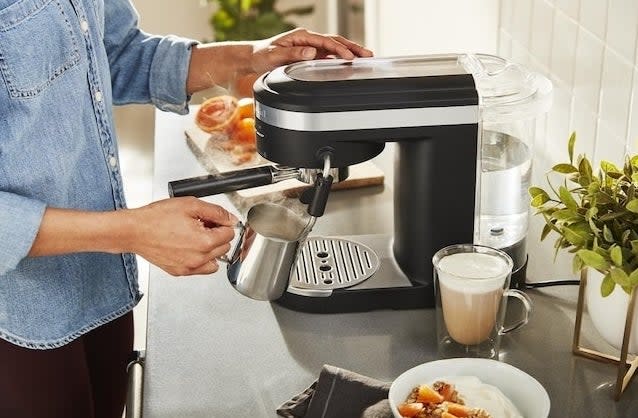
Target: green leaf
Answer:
pixel 634 161
pixel 564 214
pixel 566 198
pixel 634 246
pixel 570 146
pixel 539 200
pixel 593 260
pixel 535 191
pixel 577 238
pixel 607 235
pixel 607 286
pixel 633 278
pixel 546 230
pixel 608 167
pixel 585 170
pixel 564 168
pixel 593 227
pixel 616 255
pixel 602 252
pixel 245 5
pixel 604 198
pixel 616 175
pixel 610 216
pixel 632 206
pixel 619 276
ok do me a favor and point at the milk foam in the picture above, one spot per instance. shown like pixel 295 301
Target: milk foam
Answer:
pixel 472 272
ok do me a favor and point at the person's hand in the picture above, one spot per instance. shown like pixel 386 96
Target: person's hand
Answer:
pixel 183 236
pixel 225 63
pixel 302 45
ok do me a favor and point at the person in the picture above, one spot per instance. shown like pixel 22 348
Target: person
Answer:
pixel 68 278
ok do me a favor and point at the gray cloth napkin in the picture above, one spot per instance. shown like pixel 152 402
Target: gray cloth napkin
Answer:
pixel 339 393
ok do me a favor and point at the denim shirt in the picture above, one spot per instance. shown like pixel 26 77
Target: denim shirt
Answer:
pixel 63 64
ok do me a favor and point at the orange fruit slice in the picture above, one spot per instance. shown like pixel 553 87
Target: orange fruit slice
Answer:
pixel 428 395
pixel 217 114
pixel 246 108
pixel 457 410
pixel 410 410
pixel 244 131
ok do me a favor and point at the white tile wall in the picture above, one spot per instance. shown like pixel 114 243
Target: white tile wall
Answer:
pixel 589 49
pixel 542 30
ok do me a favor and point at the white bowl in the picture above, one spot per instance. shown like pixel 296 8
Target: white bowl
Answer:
pixel 529 396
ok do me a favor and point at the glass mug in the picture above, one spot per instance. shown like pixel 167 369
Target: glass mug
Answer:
pixel 471 284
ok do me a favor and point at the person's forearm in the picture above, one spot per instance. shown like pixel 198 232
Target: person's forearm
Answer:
pixel 68 231
pixel 217 64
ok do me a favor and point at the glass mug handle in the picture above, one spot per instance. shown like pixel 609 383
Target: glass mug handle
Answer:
pixel 527 304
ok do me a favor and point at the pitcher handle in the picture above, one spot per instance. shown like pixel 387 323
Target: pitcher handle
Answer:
pixel 527 304
pixel 235 252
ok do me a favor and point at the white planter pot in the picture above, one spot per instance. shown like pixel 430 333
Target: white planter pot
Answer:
pixel 609 313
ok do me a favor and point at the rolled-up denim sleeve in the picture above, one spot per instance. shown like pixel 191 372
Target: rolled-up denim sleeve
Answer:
pixel 20 220
pixel 145 68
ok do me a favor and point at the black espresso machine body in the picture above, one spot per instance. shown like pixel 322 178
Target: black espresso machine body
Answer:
pixel 463 125
pixel 350 111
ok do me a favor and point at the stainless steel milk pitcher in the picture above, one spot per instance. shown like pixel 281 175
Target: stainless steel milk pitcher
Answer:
pixel 265 253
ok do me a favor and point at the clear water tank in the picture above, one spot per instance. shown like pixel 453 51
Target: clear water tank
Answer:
pixel 511 99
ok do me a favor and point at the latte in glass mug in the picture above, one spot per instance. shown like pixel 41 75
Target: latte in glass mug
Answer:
pixel 471 286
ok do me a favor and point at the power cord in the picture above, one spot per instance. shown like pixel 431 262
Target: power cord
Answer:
pixel 552 283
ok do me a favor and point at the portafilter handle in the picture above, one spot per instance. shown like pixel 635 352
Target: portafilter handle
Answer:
pixel 231 181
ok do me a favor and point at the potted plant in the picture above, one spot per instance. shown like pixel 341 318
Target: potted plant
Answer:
pixel 595 217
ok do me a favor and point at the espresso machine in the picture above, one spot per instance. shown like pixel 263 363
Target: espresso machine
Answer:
pixel 464 125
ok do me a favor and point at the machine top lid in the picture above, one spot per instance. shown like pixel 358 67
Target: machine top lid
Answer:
pixel 507 91
pixel 337 85
pixel 375 68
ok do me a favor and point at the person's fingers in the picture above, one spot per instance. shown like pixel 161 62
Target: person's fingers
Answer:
pixel 205 266
pixel 285 55
pixel 220 251
pixel 353 46
pixel 209 267
pixel 328 44
pixel 216 237
pixel 213 214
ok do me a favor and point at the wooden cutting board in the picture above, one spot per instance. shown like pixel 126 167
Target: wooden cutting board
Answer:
pixel 216 160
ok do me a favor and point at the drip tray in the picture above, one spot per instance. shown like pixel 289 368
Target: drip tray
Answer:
pixel 333 263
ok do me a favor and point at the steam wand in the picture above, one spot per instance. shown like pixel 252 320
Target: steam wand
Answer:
pixel 321 191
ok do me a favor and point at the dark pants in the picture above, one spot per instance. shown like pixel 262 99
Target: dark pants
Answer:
pixel 83 379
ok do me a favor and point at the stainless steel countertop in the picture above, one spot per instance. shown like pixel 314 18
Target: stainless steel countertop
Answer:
pixel 214 353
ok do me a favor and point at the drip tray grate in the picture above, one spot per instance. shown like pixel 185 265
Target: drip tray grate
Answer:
pixel 333 263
